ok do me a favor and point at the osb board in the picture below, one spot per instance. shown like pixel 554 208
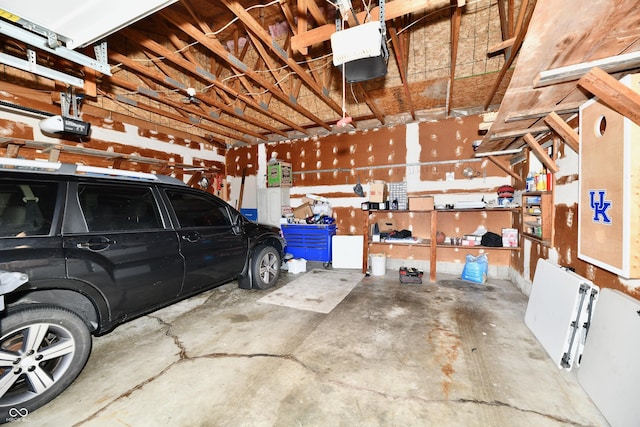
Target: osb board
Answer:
pixel 562 34
pixel 602 242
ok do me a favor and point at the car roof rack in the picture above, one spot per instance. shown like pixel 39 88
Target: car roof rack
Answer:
pixel 13 164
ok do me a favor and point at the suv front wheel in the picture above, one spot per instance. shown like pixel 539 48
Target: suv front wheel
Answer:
pixel 265 264
pixel 42 350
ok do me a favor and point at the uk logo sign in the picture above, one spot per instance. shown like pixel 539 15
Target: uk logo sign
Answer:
pixel 599 205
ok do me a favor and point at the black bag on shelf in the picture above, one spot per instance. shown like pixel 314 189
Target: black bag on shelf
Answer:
pixel 491 239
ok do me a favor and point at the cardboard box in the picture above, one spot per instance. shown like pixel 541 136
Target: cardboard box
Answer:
pixel 378 191
pixel 422 203
pixel 279 175
pixel 303 211
pixel 386 225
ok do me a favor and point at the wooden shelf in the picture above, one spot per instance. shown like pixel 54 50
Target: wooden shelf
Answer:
pixel 537 216
pixel 425 225
pixel 486 248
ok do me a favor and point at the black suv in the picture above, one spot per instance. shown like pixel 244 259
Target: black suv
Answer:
pixel 83 249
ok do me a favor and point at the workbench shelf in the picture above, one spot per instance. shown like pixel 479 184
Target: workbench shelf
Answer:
pixel 425 225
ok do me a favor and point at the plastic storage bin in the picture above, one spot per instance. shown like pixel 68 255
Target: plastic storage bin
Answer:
pixel 309 241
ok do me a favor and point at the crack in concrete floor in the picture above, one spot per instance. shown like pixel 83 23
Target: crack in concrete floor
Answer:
pixel 183 357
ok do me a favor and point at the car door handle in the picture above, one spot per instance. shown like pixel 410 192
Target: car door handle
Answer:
pixel 192 237
pixel 96 245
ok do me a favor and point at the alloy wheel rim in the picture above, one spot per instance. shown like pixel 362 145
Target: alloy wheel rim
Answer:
pixel 268 268
pixel 32 360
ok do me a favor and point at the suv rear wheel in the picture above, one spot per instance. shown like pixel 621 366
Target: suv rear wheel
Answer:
pixel 265 264
pixel 42 350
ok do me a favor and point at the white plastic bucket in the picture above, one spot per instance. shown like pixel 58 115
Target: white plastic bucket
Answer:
pixel 378 264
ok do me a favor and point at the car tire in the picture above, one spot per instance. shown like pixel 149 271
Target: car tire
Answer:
pixel 43 349
pixel 265 267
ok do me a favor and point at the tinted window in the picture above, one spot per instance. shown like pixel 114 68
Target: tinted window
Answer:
pixel 194 210
pixel 114 208
pixel 26 209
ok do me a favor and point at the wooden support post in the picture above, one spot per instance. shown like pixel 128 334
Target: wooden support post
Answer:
pixel 505 169
pixel 615 94
pixel 540 153
pixel 565 131
pixel 54 154
pixel 433 247
pixel 12 150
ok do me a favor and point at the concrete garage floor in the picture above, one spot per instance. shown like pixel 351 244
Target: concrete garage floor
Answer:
pixel 446 354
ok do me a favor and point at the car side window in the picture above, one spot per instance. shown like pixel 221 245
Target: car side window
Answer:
pixel 27 208
pixel 194 210
pixel 115 208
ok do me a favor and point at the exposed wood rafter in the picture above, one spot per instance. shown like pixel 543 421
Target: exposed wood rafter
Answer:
pixel 524 17
pixel 612 92
pixel 540 153
pixel 262 34
pixel 516 133
pixel 537 113
pixel 570 137
pixel 216 47
pixel 456 16
pixel 199 71
pixel 392 10
pixel 569 73
pixel 401 61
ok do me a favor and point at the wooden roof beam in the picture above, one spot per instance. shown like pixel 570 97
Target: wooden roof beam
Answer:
pixel 524 18
pixel 263 35
pixel 401 61
pixel 302 21
pixel 393 9
pixel 196 70
pixel 569 73
pixel 216 47
pixel 168 81
pixel 271 65
pixel 456 15
pixel 540 153
pixel 183 108
pixel 512 134
pixel 566 132
pixel 496 162
pixel 371 103
pixel 537 113
pixel 176 117
pixel 612 92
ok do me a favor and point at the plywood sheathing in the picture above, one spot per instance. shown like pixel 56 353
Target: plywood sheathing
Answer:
pixel 556 38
